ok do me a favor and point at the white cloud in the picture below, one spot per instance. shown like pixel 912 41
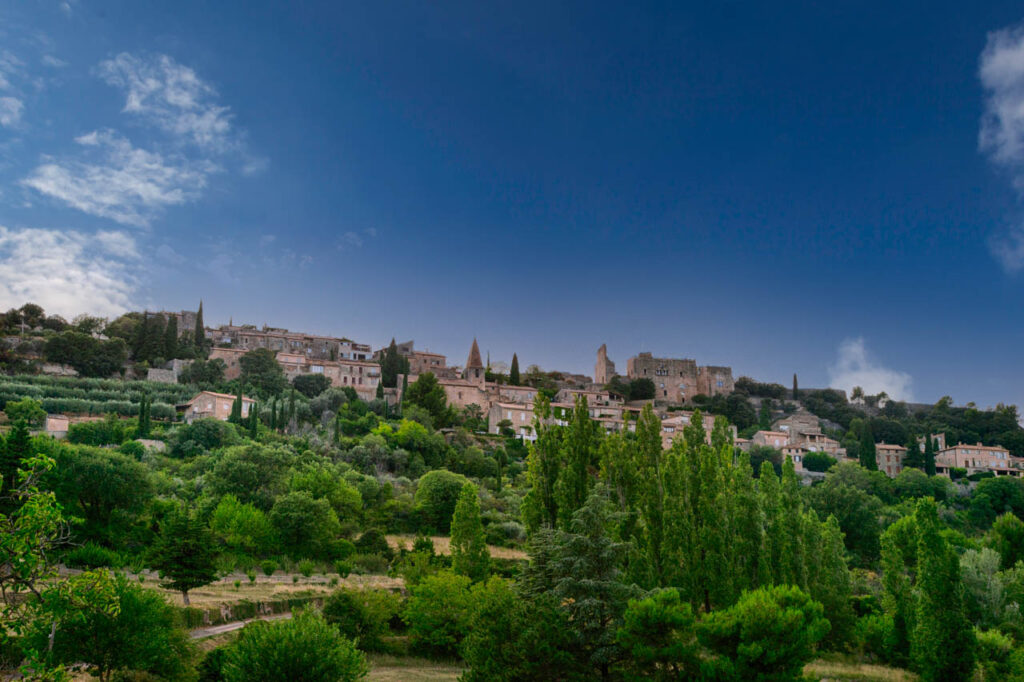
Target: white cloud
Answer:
pixel 255 166
pixel 173 97
pixel 1001 136
pixel 53 62
pixel 855 367
pixel 67 272
pixel 167 254
pixel 126 184
pixel 10 111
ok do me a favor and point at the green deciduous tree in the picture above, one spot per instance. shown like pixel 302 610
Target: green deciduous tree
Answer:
pixel 1007 537
pixel 438 613
pixel 27 409
pixel 437 493
pixel 261 371
pixel 470 556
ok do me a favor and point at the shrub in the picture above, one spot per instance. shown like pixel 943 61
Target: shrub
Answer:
pixel 818 461
pixel 374 542
pixel 305 647
pixel 372 564
pixel 343 567
pixel 91 555
pixel 362 615
pixel 133 448
pixel 306 567
pixel 268 567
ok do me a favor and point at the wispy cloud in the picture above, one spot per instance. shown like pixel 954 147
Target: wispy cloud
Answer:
pixel 354 240
pixel 173 97
pixel 854 366
pixel 1001 136
pixel 10 111
pixel 120 182
pixel 53 62
pixel 67 272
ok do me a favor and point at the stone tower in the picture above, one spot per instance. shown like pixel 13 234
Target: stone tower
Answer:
pixel 474 370
pixel 604 370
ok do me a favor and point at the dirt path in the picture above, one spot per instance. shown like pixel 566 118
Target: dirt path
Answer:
pixel 213 630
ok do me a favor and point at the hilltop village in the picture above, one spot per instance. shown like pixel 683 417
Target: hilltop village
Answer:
pixel 503 396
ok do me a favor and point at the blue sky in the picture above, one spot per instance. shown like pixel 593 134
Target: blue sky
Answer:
pixel 830 190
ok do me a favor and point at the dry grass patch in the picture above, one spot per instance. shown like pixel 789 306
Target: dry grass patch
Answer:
pixel 442 545
pixel 273 588
pixel 841 670
pixel 385 668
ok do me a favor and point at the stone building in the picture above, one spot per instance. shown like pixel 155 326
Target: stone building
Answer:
pixel 889 458
pixel 362 375
pixel 978 458
pixel 604 370
pixel 216 405
pixel 677 380
pixel 186 319
pixel 248 337
pixel 420 361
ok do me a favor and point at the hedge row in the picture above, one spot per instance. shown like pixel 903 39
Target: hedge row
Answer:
pixel 124 408
pixel 76 385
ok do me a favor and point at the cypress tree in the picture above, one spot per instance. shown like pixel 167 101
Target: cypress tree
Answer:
pixel 380 390
pixel 171 338
pixel 914 457
pixel 867 447
pixel 144 416
pixel 273 414
pixel 513 373
pixel 291 406
pixel 470 556
pixel 929 455
pixel 199 333
pixel 236 407
pixel 254 421
pixel 796 390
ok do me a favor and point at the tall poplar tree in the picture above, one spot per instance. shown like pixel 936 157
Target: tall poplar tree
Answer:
pixel 943 643
pixel 543 463
pixel 579 452
pixel 470 556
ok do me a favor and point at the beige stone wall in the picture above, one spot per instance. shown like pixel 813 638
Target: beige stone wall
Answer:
pixel 675 380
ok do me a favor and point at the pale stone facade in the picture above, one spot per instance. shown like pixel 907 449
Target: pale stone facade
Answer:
pixel 604 370
pixel 207 404
pixel 420 361
pixel 889 458
pixel 363 376
pixel 248 337
pixel 978 458
pixel 677 380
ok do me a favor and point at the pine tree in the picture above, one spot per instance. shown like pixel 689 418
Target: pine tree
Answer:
pixel 943 643
pixel 16 448
pixel 470 556
pixel 915 457
pixel 183 554
pixel 199 333
pixel 171 338
pixel 513 373
pixel 796 390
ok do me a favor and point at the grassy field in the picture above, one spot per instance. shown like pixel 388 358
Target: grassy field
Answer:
pixel 442 545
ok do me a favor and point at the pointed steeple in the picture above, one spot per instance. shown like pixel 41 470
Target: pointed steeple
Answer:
pixel 474 361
